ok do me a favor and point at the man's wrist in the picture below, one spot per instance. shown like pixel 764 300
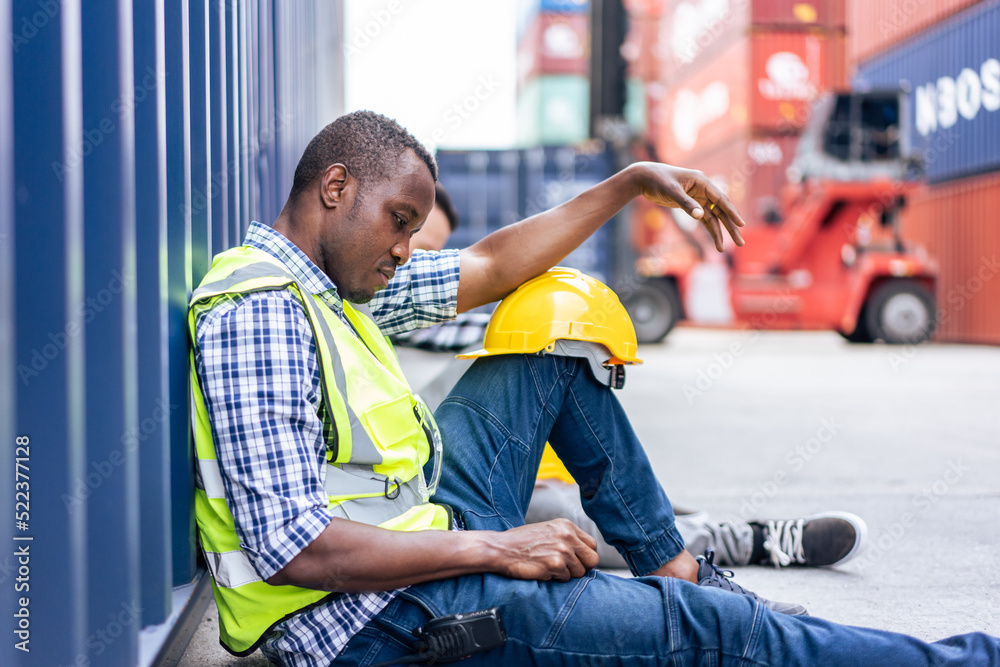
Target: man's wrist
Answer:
pixel 633 176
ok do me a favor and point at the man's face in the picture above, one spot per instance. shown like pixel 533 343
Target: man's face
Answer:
pixel 362 247
pixel 435 232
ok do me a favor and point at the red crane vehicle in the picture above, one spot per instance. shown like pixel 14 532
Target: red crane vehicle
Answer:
pixel 829 254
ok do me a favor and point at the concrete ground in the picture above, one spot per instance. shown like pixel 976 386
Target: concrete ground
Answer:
pixel 784 424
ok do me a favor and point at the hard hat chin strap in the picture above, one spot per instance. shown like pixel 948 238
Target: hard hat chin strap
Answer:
pixel 596 356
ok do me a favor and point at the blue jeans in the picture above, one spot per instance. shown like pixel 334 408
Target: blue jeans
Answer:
pixel 494 424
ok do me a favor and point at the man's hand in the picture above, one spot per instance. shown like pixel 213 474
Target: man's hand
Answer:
pixel 692 191
pixel 557 549
pixel 354 557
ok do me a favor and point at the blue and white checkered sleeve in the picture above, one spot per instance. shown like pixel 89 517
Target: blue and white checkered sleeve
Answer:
pixel 423 292
pixel 256 360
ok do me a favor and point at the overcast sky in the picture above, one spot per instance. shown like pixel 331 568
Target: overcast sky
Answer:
pixel 445 69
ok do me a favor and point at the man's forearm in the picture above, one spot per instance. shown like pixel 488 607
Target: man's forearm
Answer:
pixel 496 265
pixel 352 557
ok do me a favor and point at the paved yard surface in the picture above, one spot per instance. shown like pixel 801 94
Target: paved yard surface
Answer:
pixel 778 425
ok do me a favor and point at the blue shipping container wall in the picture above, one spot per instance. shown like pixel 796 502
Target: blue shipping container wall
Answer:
pixel 952 73
pixel 136 141
pixel 492 189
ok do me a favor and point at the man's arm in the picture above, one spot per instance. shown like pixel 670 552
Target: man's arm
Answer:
pixel 257 365
pixel 353 557
pixel 499 263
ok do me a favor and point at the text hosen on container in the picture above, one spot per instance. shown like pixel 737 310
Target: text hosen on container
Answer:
pixel 953 77
pixel 765 81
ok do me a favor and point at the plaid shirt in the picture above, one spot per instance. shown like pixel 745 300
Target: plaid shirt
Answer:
pixel 256 359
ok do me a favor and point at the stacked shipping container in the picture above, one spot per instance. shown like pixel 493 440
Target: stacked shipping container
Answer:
pixel 947 54
pixel 553 61
pixel 735 82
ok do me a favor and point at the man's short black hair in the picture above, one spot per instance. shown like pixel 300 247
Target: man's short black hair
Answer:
pixel 443 199
pixel 367 143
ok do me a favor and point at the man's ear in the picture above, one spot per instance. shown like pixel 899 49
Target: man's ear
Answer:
pixel 332 185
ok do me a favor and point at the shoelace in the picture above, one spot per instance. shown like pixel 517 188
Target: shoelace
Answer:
pixel 783 542
pixel 722 576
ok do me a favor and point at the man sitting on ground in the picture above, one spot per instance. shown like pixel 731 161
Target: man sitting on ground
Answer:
pixel 317 502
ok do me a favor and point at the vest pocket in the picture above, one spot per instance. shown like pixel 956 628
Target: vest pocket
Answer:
pixel 395 429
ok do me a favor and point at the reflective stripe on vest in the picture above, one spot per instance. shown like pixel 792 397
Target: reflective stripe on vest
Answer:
pixel 384 436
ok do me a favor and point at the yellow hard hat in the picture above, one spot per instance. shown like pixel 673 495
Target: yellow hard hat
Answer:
pixel 560 304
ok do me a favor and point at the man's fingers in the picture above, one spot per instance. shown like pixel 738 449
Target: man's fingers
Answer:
pixel 585 537
pixel 732 228
pixel 711 223
pixel 690 206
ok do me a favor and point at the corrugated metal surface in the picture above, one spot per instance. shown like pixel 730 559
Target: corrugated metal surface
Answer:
pixel 953 73
pixel 763 81
pixel 956 222
pixel 875 25
pixel 134 144
pixel 492 189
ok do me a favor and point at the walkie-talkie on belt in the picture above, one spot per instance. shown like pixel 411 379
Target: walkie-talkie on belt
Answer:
pixel 450 638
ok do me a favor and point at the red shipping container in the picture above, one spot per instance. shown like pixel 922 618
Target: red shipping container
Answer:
pixel 954 222
pixel 826 14
pixel 554 44
pixel 641 47
pixel 640 8
pixel 765 81
pixel 790 70
pixel 696 29
pixel 707 108
pixel 875 25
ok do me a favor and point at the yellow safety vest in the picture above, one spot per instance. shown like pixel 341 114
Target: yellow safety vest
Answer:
pixel 374 472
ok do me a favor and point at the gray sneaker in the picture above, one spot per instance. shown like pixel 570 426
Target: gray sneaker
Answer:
pixel 710 574
pixel 820 540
